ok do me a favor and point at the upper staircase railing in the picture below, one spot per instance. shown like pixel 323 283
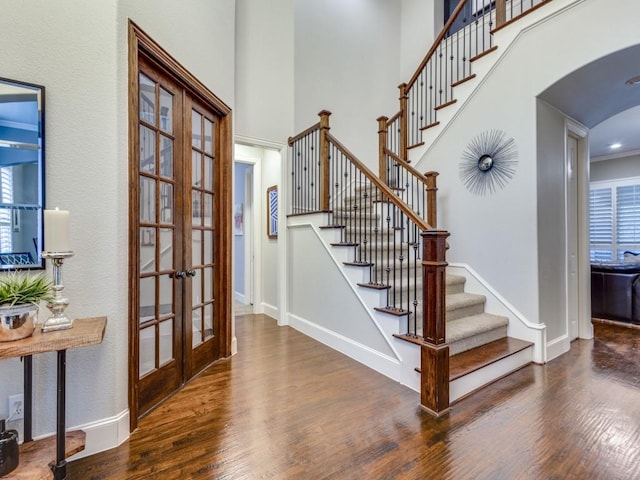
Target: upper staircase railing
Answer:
pixel 391 237
pixel 466 36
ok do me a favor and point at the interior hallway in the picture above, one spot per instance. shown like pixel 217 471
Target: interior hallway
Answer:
pixel 287 407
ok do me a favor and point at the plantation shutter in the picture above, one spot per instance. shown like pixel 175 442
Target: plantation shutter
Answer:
pixel 6 197
pixel 627 219
pixel 601 224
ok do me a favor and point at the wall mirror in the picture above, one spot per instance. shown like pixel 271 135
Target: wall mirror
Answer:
pixel 21 174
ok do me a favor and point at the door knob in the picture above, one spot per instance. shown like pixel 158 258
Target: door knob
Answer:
pixel 179 275
pixel 191 273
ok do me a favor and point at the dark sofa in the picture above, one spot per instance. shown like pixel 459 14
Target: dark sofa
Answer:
pixel 615 291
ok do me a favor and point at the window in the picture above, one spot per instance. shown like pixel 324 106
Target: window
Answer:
pixel 614 219
pixel 6 197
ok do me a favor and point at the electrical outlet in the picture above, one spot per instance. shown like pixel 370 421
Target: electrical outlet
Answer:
pixel 16 407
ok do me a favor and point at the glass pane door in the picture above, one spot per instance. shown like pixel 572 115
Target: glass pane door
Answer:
pixel 202 263
pixel 159 294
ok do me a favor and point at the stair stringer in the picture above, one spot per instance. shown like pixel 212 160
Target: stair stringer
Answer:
pixel 504 39
pixel 401 365
pixel 519 327
pixel 402 360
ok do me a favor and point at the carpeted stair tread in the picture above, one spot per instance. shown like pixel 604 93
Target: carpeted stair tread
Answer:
pixel 455 283
pixel 467 327
pixel 464 305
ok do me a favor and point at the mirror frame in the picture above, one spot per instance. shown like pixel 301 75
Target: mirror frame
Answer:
pixel 39 262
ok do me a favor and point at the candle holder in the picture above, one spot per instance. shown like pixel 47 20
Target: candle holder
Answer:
pixel 58 320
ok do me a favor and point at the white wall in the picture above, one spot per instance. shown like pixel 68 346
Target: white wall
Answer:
pixel 271 174
pixel 615 168
pixel 421 22
pixel 498 234
pixel 317 294
pixel 70 48
pixel 551 214
pixel 264 69
pixel 78 51
pixel 347 61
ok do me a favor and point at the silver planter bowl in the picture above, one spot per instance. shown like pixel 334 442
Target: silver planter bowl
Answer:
pixel 17 322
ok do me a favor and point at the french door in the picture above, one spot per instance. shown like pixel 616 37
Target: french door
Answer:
pixel 179 302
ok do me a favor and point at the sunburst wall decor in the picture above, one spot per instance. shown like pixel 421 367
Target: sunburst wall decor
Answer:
pixel 488 162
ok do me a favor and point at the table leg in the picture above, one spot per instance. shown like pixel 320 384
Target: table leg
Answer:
pixel 60 468
pixel 28 397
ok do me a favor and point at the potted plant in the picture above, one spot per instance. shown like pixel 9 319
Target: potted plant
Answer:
pixel 19 298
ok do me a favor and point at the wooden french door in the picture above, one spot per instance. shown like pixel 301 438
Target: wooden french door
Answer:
pixel 161 237
pixel 179 254
pixel 201 225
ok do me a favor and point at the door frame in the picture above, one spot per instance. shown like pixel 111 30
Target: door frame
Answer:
pixel 260 224
pixel 251 252
pixel 141 43
pixel 249 247
pixel 583 307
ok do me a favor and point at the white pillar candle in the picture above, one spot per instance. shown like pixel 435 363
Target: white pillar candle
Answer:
pixel 56 231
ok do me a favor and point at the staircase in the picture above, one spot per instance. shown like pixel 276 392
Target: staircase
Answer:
pixel 476 338
pixel 380 230
pixel 468 325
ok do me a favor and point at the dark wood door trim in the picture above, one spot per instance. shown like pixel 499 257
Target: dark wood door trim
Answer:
pixel 142 44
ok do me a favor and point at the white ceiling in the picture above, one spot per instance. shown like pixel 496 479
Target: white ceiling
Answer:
pixel 622 128
pixel 597 96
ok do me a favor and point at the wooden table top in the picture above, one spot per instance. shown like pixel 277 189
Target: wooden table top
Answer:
pixel 85 331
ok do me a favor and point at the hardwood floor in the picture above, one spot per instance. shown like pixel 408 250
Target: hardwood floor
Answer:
pixel 287 407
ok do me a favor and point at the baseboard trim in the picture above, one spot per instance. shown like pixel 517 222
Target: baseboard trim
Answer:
pixel 102 434
pixel 557 347
pixel 272 311
pixel 387 366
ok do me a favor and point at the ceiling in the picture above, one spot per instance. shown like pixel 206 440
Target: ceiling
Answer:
pixel 597 96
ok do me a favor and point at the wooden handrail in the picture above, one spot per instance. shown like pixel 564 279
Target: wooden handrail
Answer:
pixel 386 191
pixel 303 134
pixel 394 118
pixel 407 166
pixel 429 181
pixel 437 41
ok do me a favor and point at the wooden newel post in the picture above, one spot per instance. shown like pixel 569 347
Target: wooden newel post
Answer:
pixel 403 152
pixel 325 176
pixel 434 355
pixel 432 205
pixel 382 145
pixel 501 12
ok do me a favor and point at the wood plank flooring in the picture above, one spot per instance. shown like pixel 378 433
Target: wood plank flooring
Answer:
pixel 287 407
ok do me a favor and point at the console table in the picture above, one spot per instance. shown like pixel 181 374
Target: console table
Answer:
pixel 85 331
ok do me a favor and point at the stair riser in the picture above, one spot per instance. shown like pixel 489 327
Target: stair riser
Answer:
pixel 477 340
pixel 466 311
pixel 450 288
pixel 467 384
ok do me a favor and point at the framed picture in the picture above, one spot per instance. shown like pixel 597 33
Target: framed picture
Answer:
pixel 238 219
pixel 272 212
